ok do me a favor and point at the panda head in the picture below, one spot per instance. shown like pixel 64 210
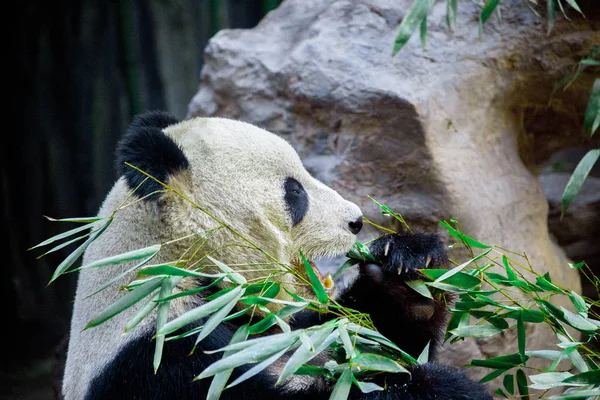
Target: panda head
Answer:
pixel 244 176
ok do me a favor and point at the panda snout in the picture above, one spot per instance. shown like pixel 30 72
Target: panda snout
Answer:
pixel 355 226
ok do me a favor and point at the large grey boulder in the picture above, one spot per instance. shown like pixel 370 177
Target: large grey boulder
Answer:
pixel 457 130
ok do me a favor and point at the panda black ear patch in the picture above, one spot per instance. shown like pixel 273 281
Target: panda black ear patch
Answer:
pixel 153 119
pixel 146 147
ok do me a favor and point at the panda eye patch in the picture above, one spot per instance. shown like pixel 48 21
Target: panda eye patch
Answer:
pixel 296 200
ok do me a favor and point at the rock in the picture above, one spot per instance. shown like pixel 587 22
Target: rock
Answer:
pixel 577 232
pixel 452 131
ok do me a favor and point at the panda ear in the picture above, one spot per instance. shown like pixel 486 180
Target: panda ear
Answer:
pixel 146 147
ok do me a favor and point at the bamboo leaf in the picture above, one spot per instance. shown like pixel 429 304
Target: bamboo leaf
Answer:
pixel 579 394
pixel 548 286
pixel 578 302
pixel 162 315
pixel 125 257
pixel 270 319
pixel 509 383
pixel 497 304
pixel 65 234
pixel 220 315
pixel 548 380
pixel 578 322
pixel 63 245
pixel 272 289
pixel 252 354
pixel 591 120
pixel 200 312
pixel 265 341
pixel 476 331
pixel 546 354
pixel 576 359
pixel 460 279
pixel 521 338
pixel 125 301
pixel 185 334
pixel 220 379
pixel 219 293
pixel 349 263
pixel 320 338
pixel 166 269
pixel 348 347
pixel 191 292
pixel 587 378
pixel 138 282
pixel 550 14
pixel 74 256
pixel 562 10
pixel 341 390
pixel 376 362
pixel 378 337
pixel 464 238
pixel 509 272
pixel 257 368
pixel 578 177
pixel 237 314
pixel 577 265
pixel 492 375
pixel 527 315
pixel 360 253
pixel 367 387
pixel 522 384
pixel 456 270
pixel 502 362
pixel 451 6
pixel 574 5
pixel 231 274
pixel 385 210
pixel 314 281
pixel 79 220
pixel 413 18
pixel 423 31
pixel 141 315
pixel 314 371
pixel 265 300
pixel 265 289
pixel 120 276
pixel 487 11
pixel 424 356
pixel 419 287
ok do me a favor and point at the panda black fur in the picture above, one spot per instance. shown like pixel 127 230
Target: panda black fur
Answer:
pixel 254 181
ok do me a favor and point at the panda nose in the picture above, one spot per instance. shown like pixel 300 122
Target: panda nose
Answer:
pixel 356 226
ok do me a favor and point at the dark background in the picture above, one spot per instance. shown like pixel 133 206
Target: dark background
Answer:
pixel 79 71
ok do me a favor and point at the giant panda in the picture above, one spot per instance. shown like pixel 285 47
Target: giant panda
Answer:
pixel 254 181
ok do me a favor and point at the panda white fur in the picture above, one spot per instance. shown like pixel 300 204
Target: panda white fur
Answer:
pixel 255 182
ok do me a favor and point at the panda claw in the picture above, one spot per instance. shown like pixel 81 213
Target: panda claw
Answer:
pixel 428 261
pixel 386 249
pixel 400 269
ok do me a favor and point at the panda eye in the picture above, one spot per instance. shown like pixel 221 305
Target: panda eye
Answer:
pixel 294 187
pixel 296 199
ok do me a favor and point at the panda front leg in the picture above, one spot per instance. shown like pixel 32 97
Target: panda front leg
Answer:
pixel 404 316
pixel 409 319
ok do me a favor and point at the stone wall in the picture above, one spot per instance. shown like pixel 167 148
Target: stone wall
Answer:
pixel 458 130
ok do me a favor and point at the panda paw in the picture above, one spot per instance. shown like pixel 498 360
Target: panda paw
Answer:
pixel 402 254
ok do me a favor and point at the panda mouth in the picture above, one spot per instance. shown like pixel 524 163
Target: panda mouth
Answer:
pixel 327 280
